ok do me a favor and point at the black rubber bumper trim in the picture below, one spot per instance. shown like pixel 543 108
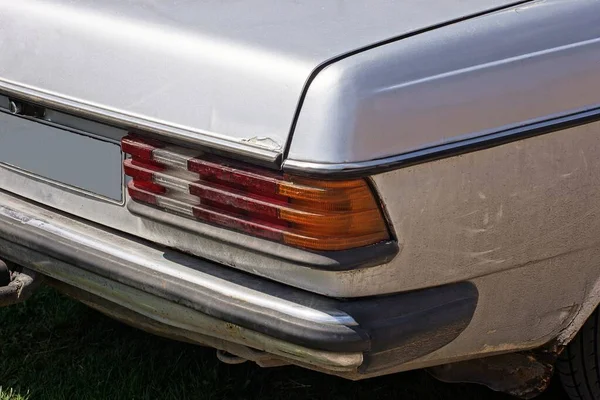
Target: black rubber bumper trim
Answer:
pixel 345 260
pixel 384 322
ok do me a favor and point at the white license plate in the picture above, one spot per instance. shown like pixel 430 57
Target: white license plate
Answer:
pixel 75 160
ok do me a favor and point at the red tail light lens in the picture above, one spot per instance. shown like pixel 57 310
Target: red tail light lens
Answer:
pixel 301 212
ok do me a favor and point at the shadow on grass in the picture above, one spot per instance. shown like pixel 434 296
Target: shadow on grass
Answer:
pixel 55 348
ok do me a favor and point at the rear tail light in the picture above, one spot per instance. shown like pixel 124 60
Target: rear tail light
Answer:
pixel 301 212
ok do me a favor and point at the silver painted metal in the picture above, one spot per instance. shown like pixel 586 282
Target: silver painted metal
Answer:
pixel 411 269
pixel 499 71
pixel 133 123
pixel 217 74
pixel 515 219
pixel 516 226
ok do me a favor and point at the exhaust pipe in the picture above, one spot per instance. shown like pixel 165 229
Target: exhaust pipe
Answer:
pixel 229 358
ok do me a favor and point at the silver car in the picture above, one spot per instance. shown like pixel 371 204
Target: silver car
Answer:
pixel 358 187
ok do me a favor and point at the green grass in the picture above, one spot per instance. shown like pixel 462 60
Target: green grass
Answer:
pixel 52 347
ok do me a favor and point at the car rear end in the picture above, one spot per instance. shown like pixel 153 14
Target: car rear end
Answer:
pixel 183 199
pixel 294 201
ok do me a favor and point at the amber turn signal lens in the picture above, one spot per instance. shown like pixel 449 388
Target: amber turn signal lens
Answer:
pixel 331 215
pixel 313 214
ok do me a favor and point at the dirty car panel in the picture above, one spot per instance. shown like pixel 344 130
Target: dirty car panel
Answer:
pixel 175 67
pixel 470 131
pixel 183 291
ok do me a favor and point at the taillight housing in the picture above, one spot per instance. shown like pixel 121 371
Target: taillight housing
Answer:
pixel 301 212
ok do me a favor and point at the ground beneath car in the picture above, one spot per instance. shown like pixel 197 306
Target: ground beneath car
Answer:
pixel 52 347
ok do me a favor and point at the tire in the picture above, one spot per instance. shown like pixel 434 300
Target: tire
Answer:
pixel 579 364
pixel 4 274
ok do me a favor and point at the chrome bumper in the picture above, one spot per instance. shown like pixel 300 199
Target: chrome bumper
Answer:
pixel 198 296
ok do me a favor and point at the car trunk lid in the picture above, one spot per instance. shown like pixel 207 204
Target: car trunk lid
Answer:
pixel 223 74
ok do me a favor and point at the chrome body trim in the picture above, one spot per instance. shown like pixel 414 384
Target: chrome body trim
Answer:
pixel 372 167
pixel 153 260
pixel 135 123
pixel 175 315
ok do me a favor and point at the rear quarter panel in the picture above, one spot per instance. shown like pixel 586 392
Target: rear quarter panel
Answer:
pixel 519 220
pixel 466 80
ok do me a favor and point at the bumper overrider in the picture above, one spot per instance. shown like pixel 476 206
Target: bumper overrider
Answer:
pixel 348 337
